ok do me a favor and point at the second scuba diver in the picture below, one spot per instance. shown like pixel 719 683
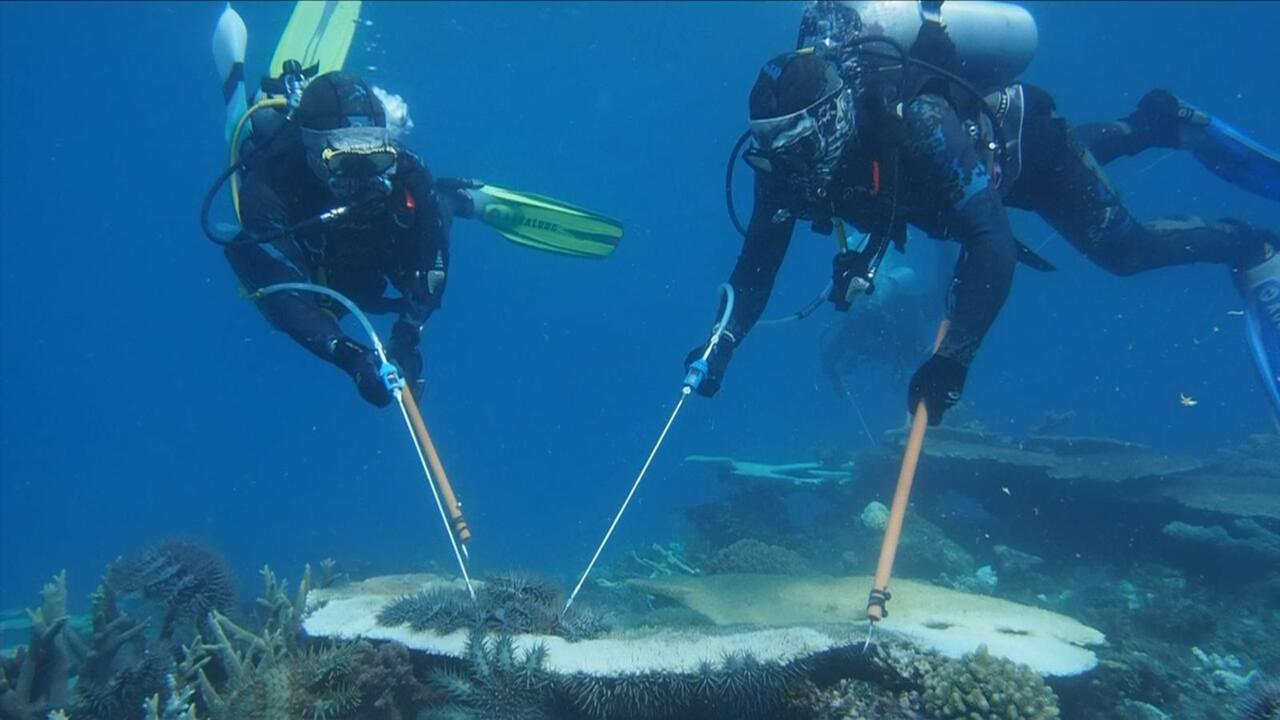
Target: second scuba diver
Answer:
pixel 855 126
pixel 332 197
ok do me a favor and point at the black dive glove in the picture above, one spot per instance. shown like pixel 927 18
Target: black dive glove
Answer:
pixel 402 349
pixel 717 363
pixel 365 368
pixel 938 382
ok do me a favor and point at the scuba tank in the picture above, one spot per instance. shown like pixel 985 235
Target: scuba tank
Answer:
pixel 891 51
pixel 988 44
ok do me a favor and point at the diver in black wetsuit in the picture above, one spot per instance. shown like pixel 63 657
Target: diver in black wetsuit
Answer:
pixel 340 153
pixel 839 138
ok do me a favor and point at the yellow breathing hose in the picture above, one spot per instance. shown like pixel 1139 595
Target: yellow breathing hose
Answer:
pixel 235 143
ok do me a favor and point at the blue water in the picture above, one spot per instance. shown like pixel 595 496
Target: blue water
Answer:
pixel 140 398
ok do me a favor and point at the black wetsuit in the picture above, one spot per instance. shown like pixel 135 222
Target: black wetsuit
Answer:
pixel 401 241
pixel 944 188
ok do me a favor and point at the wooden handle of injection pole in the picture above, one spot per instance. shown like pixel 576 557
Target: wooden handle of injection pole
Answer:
pixel 437 470
pixel 898 511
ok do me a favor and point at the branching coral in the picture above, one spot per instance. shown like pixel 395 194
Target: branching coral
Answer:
pixel 43 667
pixel 269 674
pixel 496 683
pixel 982 687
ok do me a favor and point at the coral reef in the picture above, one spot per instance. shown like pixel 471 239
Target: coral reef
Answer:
pixel 981 686
pixel 1014 561
pixel 758 512
pixel 185 580
pixel 510 604
pixel 1224 673
pixel 830 469
pixel 495 683
pixel 739 687
pixel 854 700
pixel 875 516
pixel 924 551
pixel 753 556
pixel 1247 541
pixel 973 450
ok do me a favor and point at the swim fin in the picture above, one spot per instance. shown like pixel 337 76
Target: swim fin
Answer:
pixel 1260 286
pixel 1235 157
pixel 318 33
pixel 546 224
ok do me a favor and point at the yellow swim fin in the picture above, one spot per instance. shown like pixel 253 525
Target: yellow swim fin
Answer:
pixel 546 224
pixel 319 33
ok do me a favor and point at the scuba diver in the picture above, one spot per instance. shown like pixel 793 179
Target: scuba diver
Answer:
pixel 339 150
pixel 331 197
pixel 906 113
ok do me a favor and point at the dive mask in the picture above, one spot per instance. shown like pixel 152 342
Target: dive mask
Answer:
pixel 806 144
pixel 350 153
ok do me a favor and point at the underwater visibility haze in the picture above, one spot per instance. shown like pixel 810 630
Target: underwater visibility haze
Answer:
pixel 238 505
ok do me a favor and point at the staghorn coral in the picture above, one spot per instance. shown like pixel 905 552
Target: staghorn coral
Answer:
pixel 177 704
pixel 40 674
pixel 753 556
pixel 740 686
pixel 182 578
pixel 1261 702
pixel 982 687
pixel 269 674
pixel 496 683
pixel 117 670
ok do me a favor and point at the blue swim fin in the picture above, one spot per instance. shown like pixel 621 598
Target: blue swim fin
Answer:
pixel 1260 286
pixel 1235 157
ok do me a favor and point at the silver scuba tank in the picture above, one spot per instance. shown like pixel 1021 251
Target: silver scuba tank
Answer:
pixel 994 41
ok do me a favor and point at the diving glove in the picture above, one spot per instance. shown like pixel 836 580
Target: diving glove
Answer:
pixel 708 383
pixel 402 349
pixel 365 368
pixel 938 383
pixel 1164 120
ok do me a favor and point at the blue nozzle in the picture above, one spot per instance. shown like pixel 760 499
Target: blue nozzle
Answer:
pixel 391 376
pixel 697 373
